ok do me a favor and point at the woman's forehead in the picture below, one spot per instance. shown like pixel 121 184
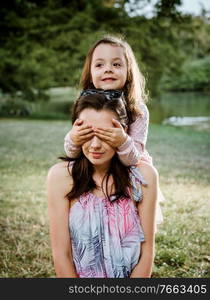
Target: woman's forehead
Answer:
pixel 98 118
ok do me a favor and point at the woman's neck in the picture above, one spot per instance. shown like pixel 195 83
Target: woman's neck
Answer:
pixel 99 174
pixel 102 185
pixel 101 171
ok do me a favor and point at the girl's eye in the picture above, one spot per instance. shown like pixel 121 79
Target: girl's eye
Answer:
pixel 98 65
pixel 117 64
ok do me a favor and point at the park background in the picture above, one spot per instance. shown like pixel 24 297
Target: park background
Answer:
pixel 43 44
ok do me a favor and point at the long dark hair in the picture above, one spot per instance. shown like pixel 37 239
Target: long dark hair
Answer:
pixel 81 169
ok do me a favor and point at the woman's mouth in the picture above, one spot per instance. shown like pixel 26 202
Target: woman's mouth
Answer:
pixel 96 154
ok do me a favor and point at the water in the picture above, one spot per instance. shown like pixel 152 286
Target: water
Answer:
pixel 182 109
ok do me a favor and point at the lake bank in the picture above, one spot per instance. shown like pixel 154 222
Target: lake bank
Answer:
pixel 182 109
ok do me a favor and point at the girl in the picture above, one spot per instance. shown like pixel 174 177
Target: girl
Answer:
pixel 99 225
pixel 111 65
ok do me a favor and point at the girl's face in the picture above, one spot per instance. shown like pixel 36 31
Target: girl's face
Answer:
pixel 98 152
pixel 108 67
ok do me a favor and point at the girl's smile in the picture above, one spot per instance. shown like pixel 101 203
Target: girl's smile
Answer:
pixel 109 79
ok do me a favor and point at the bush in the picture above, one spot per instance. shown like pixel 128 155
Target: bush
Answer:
pixel 195 76
pixel 15 108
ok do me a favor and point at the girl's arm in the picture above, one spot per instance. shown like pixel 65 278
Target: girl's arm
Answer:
pixel 146 209
pixel 77 136
pixel 58 185
pixel 133 148
pixel 70 148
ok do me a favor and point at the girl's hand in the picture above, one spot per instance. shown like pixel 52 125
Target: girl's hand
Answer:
pixel 115 137
pixel 81 133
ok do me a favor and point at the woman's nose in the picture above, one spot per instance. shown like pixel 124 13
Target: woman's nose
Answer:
pixel 95 143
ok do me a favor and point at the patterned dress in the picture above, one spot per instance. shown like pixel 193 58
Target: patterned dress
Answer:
pixel 106 236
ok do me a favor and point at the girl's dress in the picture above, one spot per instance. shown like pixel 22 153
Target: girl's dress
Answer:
pixel 106 235
pixel 131 151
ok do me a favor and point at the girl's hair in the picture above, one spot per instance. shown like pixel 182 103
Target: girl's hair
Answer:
pixel 134 89
pixel 82 170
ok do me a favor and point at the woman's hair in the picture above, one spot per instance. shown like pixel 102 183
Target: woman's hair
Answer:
pixel 82 169
pixel 134 89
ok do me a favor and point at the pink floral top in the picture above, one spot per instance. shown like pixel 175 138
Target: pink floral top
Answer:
pixel 132 150
pixel 106 236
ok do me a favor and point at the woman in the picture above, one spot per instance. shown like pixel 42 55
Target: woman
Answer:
pixel 101 225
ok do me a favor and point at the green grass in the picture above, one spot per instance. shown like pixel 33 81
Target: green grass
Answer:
pixel 29 148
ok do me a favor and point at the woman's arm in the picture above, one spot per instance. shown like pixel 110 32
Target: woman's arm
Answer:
pixel 58 185
pixel 146 209
pixel 133 148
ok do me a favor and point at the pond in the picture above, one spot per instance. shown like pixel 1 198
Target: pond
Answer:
pixel 182 109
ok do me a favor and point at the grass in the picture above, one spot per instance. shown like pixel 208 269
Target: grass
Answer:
pixel 30 147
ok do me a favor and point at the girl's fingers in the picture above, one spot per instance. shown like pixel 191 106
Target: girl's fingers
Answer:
pixel 78 122
pixel 85 131
pixel 104 137
pixel 104 129
pixel 116 123
pixel 87 137
pixel 104 132
pixel 84 127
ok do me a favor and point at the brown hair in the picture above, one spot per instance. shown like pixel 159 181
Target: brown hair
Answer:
pixel 82 169
pixel 134 89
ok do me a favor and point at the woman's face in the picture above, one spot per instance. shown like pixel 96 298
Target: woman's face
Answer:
pixel 108 67
pixel 97 151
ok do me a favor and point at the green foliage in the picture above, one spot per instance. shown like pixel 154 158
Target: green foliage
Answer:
pixel 195 75
pixel 165 8
pixel 157 47
pixel 15 108
pixel 27 70
pixel 44 43
pixel 59 106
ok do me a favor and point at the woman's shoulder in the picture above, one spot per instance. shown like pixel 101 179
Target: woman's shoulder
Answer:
pixel 147 171
pixel 58 168
pixel 59 173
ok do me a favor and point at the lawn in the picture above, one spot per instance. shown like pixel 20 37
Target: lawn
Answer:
pixel 28 148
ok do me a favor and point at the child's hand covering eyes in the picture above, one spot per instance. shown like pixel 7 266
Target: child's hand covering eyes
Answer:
pixel 81 133
pixel 114 136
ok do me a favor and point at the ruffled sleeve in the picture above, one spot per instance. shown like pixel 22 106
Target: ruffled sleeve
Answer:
pixel 134 148
pixel 137 181
pixel 70 148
